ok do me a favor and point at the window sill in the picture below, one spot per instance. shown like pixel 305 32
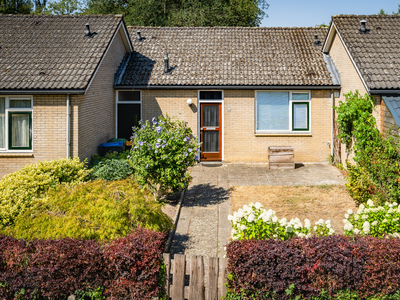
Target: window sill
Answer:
pixel 284 134
pixel 16 154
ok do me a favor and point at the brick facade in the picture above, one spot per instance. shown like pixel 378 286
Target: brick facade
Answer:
pixel 240 141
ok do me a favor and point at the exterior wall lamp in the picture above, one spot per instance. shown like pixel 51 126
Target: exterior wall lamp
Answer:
pixel 189 102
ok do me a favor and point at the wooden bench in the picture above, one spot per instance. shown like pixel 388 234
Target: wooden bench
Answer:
pixel 280 157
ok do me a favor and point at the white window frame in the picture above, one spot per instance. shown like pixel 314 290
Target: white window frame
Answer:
pixel 126 102
pixel 7 110
pixel 223 116
pixel 290 131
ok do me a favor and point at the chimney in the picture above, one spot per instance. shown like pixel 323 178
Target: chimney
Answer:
pixel 363 28
pixel 166 67
pixel 139 37
pixel 317 42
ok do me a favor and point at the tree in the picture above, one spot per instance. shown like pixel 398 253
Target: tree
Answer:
pixel 64 7
pixel 382 12
pixel 183 12
pixel 15 6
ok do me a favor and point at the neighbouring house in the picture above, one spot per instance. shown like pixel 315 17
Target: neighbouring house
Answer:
pixel 365 51
pixel 239 89
pixel 56 85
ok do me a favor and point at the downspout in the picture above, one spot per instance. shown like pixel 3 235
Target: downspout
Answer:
pixel 332 143
pixel 68 127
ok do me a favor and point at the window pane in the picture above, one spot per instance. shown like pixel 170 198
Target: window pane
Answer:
pixel 211 95
pixel 210 141
pixel 20 103
pixel 300 116
pixel 210 115
pixel 300 96
pixel 20 130
pixel 2 122
pixel 272 110
pixel 129 96
pixel 128 116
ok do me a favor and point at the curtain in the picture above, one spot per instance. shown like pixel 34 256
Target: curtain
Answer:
pixel 300 112
pixel 20 130
pixel 2 122
pixel 210 116
pixel 210 141
pixel 20 103
pixel 272 110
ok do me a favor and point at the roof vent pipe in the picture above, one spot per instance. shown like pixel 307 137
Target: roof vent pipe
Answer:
pixel 317 42
pixel 139 37
pixel 363 28
pixel 166 66
pixel 88 29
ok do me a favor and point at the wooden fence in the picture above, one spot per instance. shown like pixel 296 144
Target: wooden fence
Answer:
pixel 194 279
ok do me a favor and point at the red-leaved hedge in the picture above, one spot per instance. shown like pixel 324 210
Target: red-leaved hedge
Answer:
pixel 126 268
pixel 366 265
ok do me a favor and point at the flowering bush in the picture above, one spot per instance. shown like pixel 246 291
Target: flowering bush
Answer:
pixel 374 221
pixel 254 222
pixel 162 151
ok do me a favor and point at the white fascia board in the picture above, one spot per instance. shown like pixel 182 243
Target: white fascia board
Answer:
pixel 329 39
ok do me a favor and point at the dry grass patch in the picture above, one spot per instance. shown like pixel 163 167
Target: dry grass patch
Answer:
pixel 311 202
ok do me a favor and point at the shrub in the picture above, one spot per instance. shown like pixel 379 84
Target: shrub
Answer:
pixel 127 268
pixel 374 221
pixel 312 267
pixel 96 158
pixel 19 189
pixel 377 173
pixel 112 169
pixel 254 222
pixel 134 265
pixel 162 152
pixel 94 210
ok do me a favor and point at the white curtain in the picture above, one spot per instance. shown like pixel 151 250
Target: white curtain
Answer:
pixel 300 116
pixel 2 122
pixel 210 141
pixel 272 110
pixel 20 130
pixel 210 116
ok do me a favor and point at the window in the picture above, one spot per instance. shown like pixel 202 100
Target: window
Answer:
pixel 15 123
pixel 129 111
pixel 282 112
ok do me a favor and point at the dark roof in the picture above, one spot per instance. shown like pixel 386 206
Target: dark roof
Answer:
pixel 220 56
pixel 376 53
pixel 50 52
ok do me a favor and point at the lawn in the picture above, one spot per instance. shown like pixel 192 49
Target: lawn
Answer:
pixel 311 202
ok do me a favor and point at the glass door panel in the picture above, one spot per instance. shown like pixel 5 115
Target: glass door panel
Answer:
pixel 210 131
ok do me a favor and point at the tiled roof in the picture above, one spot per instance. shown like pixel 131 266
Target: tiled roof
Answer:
pixel 377 52
pixel 220 56
pixel 50 52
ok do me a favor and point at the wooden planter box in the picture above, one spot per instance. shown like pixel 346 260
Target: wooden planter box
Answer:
pixel 280 157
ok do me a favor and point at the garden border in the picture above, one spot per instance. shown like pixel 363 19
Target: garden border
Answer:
pixel 172 231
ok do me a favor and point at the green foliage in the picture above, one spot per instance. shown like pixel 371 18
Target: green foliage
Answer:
pixel 15 6
pixel 64 7
pixel 374 221
pixel 96 294
pixel 112 169
pixel 96 158
pixel 376 175
pixel 382 12
pixel 96 210
pixel 183 13
pixel 162 151
pixel 19 189
pixel 254 222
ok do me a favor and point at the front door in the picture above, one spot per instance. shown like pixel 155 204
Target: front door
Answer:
pixel 211 131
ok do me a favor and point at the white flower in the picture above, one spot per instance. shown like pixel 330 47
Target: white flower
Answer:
pixel 258 205
pixel 319 222
pixel 356 217
pixel 366 230
pixel 370 202
pixel 345 221
pixel 348 226
pixel 374 223
pixel 230 217
pixel 390 205
pixel 366 224
pixel 315 228
pixel 243 227
pixel 350 211
pixel 364 217
pixel 327 222
pixel 283 222
pixel 331 231
pixel 356 231
pixel 275 219
pixel 346 216
pixel 391 210
pixel 395 203
pixel 328 226
pixel 234 238
pixel 246 208
pixel 384 221
pixel 307 224
pixel 251 218
pixel 386 203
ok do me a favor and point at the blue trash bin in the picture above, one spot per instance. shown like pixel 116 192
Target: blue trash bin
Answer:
pixel 110 147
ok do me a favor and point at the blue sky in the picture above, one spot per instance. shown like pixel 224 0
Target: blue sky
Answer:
pixel 300 13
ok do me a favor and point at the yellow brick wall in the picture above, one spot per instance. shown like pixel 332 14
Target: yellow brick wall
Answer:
pixel 48 134
pixel 240 141
pixel 96 120
pixel 350 81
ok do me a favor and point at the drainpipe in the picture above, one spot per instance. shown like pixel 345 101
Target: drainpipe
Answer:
pixel 68 117
pixel 332 143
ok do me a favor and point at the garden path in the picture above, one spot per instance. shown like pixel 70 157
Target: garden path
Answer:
pixel 203 227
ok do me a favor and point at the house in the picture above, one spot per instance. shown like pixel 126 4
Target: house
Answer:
pixel 365 51
pixel 248 88
pixel 56 85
